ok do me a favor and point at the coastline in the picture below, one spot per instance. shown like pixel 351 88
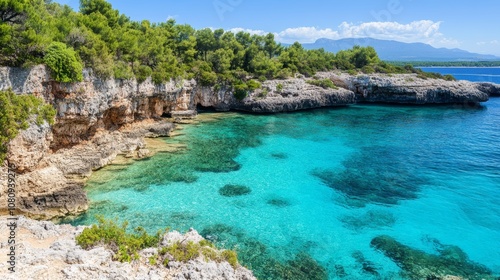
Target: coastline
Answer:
pixel 98 120
pixel 122 139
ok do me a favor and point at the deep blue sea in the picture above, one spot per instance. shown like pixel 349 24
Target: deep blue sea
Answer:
pixel 474 74
pixel 361 192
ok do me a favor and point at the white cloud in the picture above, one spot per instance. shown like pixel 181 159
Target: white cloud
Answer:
pixel 416 30
pixel 251 31
pixel 305 34
pixel 425 31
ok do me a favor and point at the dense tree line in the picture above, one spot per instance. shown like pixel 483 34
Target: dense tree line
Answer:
pixel 100 38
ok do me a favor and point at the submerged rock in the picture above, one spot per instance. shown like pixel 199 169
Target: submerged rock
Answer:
pixel 279 155
pixel 278 202
pixel 256 256
pixel 366 266
pixel 417 264
pixel 234 190
pixel 372 177
pixel 371 220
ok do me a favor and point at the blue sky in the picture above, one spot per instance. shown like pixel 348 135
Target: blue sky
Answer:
pixel 469 25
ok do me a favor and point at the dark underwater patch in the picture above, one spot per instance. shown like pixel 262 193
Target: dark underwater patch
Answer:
pixel 255 255
pixel 417 264
pixel 234 190
pixel 183 216
pixel 278 202
pixel 279 155
pixel 367 266
pixel 370 220
pixel 102 206
pixel 377 175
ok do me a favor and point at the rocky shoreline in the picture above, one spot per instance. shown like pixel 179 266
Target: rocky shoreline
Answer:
pixel 48 251
pixel 97 120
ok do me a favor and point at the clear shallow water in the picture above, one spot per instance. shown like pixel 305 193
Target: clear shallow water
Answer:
pixel 323 184
pixel 473 74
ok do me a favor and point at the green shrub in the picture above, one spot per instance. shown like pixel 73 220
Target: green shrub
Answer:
pixel 142 73
pixel 231 257
pixel 368 69
pixel 125 245
pixel 279 87
pixel 449 77
pixel 64 63
pixel 153 260
pixel 263 93
pixel 15 110
pixel 122 70
pixel 284 73
pixel 253 85
pixel 352 72
pixel 210 254
pixel 207 243
pixel 208 78
pixel 240 91
pixel 184 252
pixel 324 83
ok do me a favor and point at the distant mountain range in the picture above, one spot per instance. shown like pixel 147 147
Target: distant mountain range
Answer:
pixel 398 51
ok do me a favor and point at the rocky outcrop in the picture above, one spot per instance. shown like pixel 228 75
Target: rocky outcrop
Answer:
pixel 409 89
pixel 49 251
pixel 51 185
pixel 294 95
pixel 490 88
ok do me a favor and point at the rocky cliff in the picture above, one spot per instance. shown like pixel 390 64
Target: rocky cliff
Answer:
pixel 100 119
pixel 49 251
pixel 410 89
pixel 490 88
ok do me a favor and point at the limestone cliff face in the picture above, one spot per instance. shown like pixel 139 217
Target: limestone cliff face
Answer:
pixel 100 119
pixel 409 89
pixel 490 88
pixel 84 108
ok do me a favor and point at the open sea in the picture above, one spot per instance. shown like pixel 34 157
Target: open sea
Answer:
pixel 359 192
pixel 473 74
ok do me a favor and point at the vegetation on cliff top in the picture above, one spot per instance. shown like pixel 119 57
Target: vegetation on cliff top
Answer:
pixel 126 246
pixel 15 112
pixel 100 38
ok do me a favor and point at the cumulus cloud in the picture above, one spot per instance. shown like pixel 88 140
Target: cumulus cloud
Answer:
pixel 251 31
pixel 305 34
pixel 417 30
pixel 425 31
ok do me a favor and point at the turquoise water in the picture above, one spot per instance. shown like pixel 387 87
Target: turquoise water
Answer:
pixel 473 74
pixel 307 192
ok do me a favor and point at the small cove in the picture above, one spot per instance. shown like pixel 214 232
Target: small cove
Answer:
pixel 322 184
